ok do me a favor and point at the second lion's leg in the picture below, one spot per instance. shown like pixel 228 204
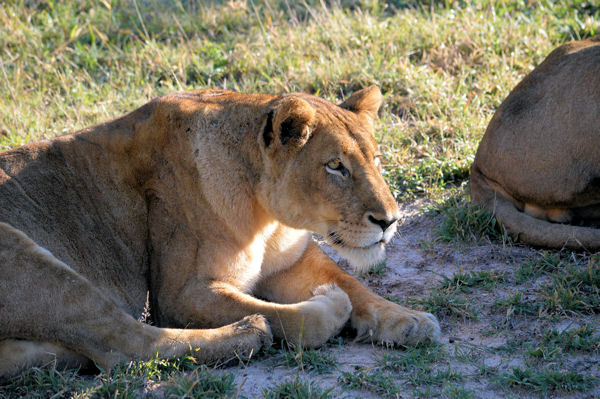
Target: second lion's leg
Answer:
pixel 373 317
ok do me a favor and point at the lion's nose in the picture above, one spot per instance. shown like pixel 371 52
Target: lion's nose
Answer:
pixel 383 223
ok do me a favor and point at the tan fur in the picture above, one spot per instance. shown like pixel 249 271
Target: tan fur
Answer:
pixel 538 164
pixel 205 200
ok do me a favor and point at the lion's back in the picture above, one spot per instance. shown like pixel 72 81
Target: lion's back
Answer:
pixel 542 144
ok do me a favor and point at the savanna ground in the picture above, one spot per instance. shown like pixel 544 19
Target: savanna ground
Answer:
pixel 517 322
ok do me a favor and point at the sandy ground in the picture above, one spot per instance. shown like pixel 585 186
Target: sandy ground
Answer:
pixel 415 269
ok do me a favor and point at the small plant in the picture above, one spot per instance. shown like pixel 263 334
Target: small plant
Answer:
pixel 446 304
pixel 201 383
pixel 516 304
pixel 581 339
pixel 457 392
pixel 413 358
pixel 464 222
pixel 297 389
pixel 574 290
pixel 310 360
pixel 430 377
pixel 546 380
pixel 377 270
pixel 375 381
pixel 547 263
pixel 466 282
pixel 43 383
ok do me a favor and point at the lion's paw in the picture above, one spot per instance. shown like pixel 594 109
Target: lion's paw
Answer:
pixel 324 314
pixel 388 323
pixel 253 333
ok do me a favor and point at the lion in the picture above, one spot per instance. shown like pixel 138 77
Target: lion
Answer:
pixel 538 164
pixel 199 207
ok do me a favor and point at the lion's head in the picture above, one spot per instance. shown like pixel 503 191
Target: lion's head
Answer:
pixel 323 173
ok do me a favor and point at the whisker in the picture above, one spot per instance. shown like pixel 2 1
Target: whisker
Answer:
pixel 335 238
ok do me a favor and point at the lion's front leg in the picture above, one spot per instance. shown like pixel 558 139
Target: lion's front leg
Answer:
pixel 312 321
pixel 373 317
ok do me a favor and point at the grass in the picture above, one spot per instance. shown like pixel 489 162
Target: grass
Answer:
pixel 465 222
pixel 446 304
pixel 582 339
pixel 568 287
pixel 374 381
pixel 312 361
pixel 546 263
pixel 546 380
pixel 517 304
pixel 201 383
pixel 43 383
pixel 377 270
pixel 468 282
pixel 575 289
pixel 553 345
pixel 297 389
pixel 414 363
pixel 443 67
pixel 449 298
pixel 183 376
pixel 424 367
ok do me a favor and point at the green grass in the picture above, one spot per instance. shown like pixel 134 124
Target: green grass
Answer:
pixel 375 381
pixel 465 222
pixel 443 69
pixel 468 282
pixel 546 380
pixel 424 366
pixel 420 357
pixel 571 287
pixel 548 262
pixel 517 304
pixel 297 389
pixel 444 304
pixel 553 345
pixel 123 381
pixel 458 392
pixel 44 383
pixel 576 289
pixel 377 270
pixel 201 383
pixel 583 339
pixel 313 361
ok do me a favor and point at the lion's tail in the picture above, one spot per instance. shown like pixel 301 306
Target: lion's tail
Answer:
pixel 529 229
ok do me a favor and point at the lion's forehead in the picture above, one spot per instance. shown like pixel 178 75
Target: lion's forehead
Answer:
pixel 349 134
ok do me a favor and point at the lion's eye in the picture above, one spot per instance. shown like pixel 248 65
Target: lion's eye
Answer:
pixel 336 167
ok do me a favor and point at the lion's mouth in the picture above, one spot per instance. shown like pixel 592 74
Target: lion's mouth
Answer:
pixel 361 257
pixel 337 241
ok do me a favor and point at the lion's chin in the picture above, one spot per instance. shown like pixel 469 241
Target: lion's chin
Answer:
pixel 361 259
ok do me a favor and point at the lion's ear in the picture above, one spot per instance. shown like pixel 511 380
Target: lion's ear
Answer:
pixel 292 122
pixel 366 101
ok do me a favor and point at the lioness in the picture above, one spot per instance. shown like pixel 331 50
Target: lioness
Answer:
pixel 538 164
pixel 205 200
